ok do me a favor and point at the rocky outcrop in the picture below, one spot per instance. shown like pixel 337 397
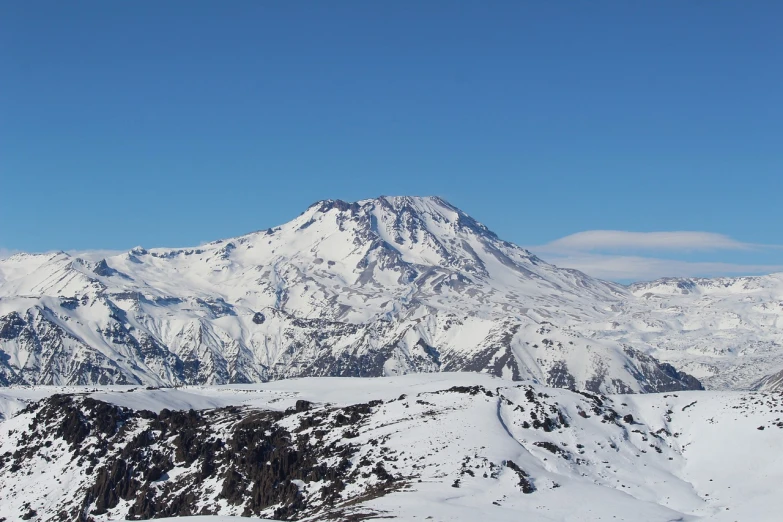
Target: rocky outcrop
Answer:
pixel 252 460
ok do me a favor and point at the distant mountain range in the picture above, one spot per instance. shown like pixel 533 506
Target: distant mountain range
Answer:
pixel 387 286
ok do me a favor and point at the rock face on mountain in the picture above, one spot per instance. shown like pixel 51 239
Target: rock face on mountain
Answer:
pixel 772 382
pixel 386 286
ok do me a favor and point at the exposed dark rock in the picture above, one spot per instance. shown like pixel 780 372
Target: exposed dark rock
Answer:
pixel 524 478
pixel 302 405
pixel 256 465
pixel 560 377
pixel 103 269
pixel 11 326
pixel 553 448
pixel 470 390
pixel 655 376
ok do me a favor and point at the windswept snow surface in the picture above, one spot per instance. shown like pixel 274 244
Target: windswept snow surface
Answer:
pixel 387 286
pixel 440 447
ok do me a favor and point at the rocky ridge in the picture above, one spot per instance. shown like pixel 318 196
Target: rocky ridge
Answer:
pixel 449 448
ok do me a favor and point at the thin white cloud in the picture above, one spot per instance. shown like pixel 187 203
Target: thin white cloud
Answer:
pixel 614 254
pixel 637 268
pixel 614 240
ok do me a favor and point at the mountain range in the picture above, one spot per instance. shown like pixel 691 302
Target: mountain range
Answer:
pixel 380 287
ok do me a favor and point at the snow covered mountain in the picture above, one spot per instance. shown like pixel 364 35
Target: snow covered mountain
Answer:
pixel 387 286
pixel 440 447
pixel 728 332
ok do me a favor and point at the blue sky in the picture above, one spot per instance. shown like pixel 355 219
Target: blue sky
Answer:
pixel 175 123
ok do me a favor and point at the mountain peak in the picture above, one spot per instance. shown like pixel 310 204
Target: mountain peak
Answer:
pixel 397 203
pixel 416 202
pixel 415 231
pixel 430 213
pixel 380 286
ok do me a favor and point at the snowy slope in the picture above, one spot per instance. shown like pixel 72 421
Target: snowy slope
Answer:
pixel 728 332
pixel 387 286
pixel 438 447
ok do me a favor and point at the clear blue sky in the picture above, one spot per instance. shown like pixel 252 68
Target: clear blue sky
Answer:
pixel 174 123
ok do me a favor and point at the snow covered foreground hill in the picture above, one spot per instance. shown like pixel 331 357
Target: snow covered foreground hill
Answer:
pixel 438 447
pixel 387 286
